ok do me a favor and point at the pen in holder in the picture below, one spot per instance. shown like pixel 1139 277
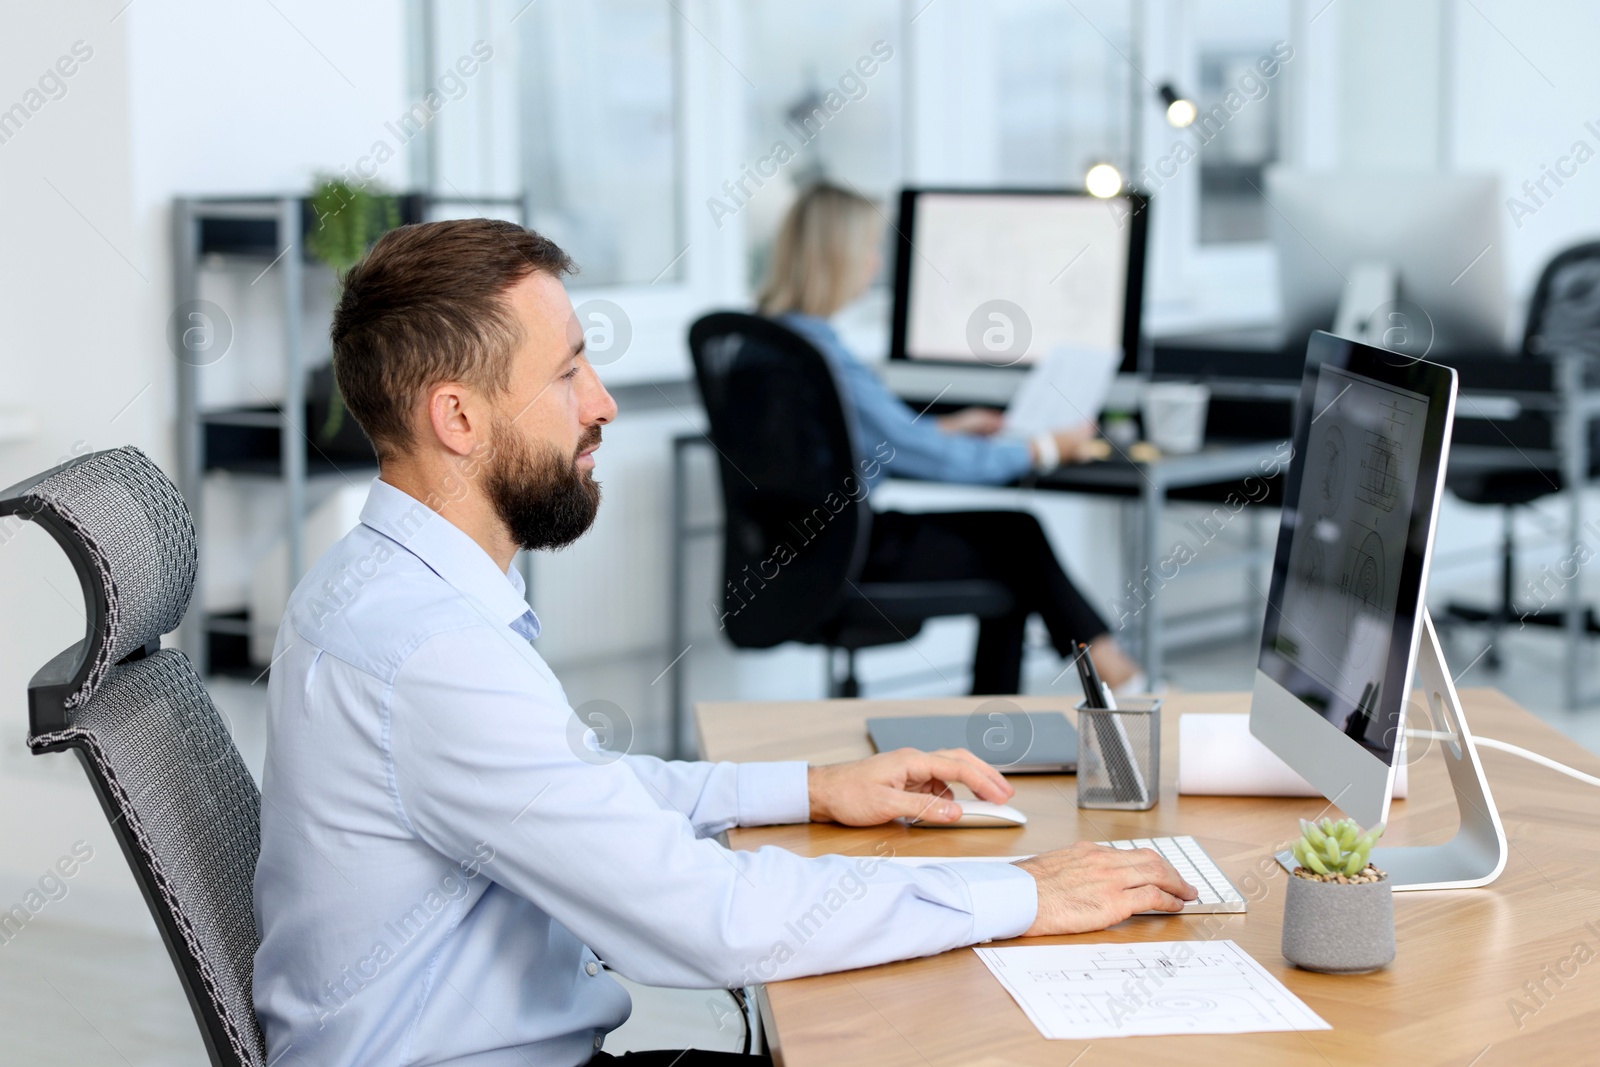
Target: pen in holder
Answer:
pixel 1119 755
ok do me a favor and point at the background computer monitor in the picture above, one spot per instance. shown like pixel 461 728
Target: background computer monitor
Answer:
pixel 1073 264
pixel 1439 232
pixel 1345 607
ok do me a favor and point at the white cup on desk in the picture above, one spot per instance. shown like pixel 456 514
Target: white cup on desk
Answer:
pixel 1175 415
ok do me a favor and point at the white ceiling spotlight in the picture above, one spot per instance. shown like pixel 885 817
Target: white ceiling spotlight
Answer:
pixel 1180 112
pixel 1103 180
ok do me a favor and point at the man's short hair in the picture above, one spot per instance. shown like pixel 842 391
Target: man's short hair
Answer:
pixel 427 305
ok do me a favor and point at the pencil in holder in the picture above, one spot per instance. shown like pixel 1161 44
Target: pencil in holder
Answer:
pixel 1119 755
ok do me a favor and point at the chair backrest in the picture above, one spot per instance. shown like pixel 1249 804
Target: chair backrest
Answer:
pixel 794 500
pixel 1564 314
pixel 180 800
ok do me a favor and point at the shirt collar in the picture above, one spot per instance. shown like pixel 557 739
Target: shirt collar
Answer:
pixel 447 551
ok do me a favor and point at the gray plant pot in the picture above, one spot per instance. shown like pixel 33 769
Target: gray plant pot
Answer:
pixel 1338 929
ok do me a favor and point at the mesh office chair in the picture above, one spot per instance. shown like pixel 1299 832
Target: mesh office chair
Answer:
pixel 1564 317
pixel 797 522
pixel 181 803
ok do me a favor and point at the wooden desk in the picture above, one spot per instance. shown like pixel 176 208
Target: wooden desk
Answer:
pixel 1464 955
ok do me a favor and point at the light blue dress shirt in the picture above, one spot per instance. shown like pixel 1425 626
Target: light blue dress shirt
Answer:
pixel 920 448
pixel 446 863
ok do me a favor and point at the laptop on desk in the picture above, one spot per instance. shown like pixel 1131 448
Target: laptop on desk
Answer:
pixel 1034 742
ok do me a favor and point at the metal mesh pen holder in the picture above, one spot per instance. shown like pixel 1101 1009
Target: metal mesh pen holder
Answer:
pixel 1119 755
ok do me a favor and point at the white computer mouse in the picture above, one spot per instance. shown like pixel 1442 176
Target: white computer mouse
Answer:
pixel 977 814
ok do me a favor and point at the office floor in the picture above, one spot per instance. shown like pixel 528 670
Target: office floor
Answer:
pixel 71 995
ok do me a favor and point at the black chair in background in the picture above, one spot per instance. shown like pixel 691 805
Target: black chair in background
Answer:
pixel 797 522
pixel 182 805
pixel 1563 317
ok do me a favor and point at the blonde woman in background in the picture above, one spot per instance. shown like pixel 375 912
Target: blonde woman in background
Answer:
pixel 825 256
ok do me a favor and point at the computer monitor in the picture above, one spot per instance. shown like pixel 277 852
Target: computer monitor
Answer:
pixel 1001 277
pixel 1346 628
pixel 1437 236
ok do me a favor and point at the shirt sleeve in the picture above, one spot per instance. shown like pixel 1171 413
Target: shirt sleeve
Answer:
pixel 482 765
pixel 886 425
pixel 719 796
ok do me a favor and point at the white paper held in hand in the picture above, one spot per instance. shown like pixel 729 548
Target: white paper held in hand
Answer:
pixel 1066 388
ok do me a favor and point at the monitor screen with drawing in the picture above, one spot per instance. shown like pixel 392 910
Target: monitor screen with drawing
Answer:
pixel 1332 633
pixel 1345 607
pixel 1001 277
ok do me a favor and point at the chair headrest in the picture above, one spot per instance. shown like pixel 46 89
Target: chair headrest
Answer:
pixel 131 538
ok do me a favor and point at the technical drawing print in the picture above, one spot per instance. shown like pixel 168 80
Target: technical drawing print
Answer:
pixel 1146 989
pixel 1334 457
pixel 1384 477
pixel 1365 586
pixel 1350 524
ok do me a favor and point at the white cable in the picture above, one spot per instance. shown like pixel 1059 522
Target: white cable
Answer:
pixel 1543 761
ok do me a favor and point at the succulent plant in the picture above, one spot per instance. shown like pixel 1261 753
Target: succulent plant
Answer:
pixel 1335 848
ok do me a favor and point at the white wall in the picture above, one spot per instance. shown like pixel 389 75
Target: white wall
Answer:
pixel 1526 85
pixel 1390 83
pixel 252 99
pixel 178 97
pixel 74 280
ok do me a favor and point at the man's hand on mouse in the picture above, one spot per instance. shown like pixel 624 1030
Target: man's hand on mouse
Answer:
pixel 1090 887
pixel 903 784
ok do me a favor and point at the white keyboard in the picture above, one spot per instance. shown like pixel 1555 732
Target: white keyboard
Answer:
pixel 1194 867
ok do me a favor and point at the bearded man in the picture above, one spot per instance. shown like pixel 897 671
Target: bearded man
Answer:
pixel 445 878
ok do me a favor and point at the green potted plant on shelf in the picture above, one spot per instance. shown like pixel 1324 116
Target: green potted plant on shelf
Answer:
pixel 347 219
pixel 1338 916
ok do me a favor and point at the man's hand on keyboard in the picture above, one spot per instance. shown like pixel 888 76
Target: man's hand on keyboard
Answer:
pixel 1090 887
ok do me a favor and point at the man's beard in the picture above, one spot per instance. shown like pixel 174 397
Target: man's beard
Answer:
pixel 543 497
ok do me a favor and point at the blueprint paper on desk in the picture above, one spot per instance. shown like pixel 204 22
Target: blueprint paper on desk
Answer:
pixel 1148 989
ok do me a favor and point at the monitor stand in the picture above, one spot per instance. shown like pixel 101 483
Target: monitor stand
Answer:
pixel 1476 855
pixel 1372 286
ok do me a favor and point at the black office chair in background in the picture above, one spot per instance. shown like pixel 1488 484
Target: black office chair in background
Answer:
pixel 797 522
pixel 181 803
pixel 1563 316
